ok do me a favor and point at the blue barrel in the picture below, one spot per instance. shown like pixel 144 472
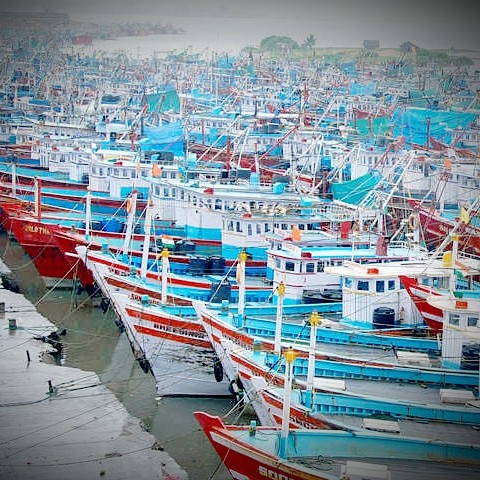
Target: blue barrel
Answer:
pixel 197 265
pixel 384 317
pixel 96 225
pixel 470 356
pixel 216 265
pixel 110 225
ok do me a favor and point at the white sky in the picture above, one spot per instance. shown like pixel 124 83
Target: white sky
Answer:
pixel 428 23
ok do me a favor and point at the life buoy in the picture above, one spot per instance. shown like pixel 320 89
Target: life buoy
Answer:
pixel 413 222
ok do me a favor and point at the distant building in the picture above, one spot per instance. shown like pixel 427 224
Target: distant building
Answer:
pixel 371 44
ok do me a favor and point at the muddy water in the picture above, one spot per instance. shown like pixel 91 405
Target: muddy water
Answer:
pixel 94 343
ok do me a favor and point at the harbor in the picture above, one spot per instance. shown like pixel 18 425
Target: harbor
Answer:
pixel 237 244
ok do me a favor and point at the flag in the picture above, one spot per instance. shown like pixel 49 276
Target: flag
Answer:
pixel 464 216
pixel 168 241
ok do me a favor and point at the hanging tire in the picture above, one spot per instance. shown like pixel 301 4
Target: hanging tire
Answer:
pixel 218 370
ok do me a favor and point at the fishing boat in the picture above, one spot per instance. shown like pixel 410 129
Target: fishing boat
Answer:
pixel 199 206
pixel 253 452
pixel 461 329
pixel 436 226
pixel 156 307
pixel 34 231
pixel 420 292
pixel 256 452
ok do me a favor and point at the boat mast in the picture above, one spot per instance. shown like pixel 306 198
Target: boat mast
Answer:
pixel 165 270
pixel 278 323
pixel 314 321
pixel 146 243
pixel 88 214
pixel 38 198
pixel 289 358
pixel 131 208
pixel 14 176
pixel 240 277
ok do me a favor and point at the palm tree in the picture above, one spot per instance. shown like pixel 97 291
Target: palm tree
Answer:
pixel 309 42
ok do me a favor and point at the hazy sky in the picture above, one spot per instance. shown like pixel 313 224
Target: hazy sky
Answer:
pixel 429 23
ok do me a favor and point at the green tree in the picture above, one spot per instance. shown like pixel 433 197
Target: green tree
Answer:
pixel 309 42
pixel 278 43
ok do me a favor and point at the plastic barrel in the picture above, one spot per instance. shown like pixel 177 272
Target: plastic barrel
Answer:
pixel 197 265
pixel 216 265
pixel 383 317
pixel 470 353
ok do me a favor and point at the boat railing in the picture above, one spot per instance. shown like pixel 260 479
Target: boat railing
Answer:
pixel 468 256
pixel 405 245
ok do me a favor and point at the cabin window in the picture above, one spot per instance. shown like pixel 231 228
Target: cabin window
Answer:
pixel 454 319
pixel 284 226
pixel 391 284
pixel 239 227
pixel 320 266
pixel 182 195
pixel 277 263
pixel 267 227
pixel 290 266
pixel 472 321
pixel 363 285
pixel 249 229
pixel 218 204
pixel 310 268
pixel 380 286
pixel 230 226
pixel 165 192
pixel 301 226
pixel 259 228
pixel 348 282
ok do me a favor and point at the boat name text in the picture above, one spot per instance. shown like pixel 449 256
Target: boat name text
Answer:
pixel 271 474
